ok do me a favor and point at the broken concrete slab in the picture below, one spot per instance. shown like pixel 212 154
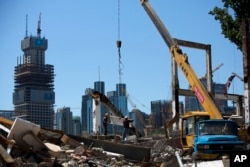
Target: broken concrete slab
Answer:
pixel 79 150
pixel 34 143
pixel 67 140
pixel 142 153
pixel 21 127
pixel 53 147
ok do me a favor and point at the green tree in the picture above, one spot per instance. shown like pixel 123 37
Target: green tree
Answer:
pixel 235 24
pixel 231 16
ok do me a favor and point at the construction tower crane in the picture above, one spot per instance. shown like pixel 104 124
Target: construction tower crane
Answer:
pixel 215 69
pixel 230 79
pixel 228 83
pixel 233 73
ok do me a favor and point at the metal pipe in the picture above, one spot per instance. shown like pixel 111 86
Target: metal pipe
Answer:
pixel 178 158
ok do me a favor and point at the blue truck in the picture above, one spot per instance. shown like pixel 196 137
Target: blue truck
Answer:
pixel 216 137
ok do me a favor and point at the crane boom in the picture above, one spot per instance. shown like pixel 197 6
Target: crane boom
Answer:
pixel 158 23
pixel 182 61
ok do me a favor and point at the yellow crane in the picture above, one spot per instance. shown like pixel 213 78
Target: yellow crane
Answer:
pixel 193 141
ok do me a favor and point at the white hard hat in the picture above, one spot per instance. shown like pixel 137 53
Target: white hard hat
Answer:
pixel 126 117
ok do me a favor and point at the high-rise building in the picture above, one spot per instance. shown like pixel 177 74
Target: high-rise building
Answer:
pixel 34 96
pixel 99 86
pixel 117 97
pixel 161 109
pixel 87 108
pixel 221 104
pixel 64 120
pixel 77 130
pixel 193 104
pixel 86 112
pixel 120 99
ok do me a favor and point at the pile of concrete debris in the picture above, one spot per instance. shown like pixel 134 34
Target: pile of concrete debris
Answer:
pixel 23 143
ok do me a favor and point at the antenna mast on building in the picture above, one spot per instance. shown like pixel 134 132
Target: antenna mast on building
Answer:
pixel 26 32
pixel 119 44
pixel 99 75
pixel 39 26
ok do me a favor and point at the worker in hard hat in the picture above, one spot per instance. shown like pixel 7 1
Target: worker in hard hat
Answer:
pixel 126 128
pixel 105 123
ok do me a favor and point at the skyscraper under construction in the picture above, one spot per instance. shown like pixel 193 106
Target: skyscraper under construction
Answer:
pixel 34 96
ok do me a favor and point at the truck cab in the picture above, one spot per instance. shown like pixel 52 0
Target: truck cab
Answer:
pixel 216 137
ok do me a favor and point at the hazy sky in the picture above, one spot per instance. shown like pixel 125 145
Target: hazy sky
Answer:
pixel 82 37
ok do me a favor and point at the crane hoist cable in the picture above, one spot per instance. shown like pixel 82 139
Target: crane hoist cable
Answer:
pixel 119 43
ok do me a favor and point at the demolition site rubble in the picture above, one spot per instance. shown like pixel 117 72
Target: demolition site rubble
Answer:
pixel 23 143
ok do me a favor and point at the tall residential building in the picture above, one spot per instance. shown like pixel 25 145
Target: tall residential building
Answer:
pixel 34 96
pixel 64 120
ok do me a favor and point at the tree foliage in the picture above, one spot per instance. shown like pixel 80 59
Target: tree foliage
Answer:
pixel 230 17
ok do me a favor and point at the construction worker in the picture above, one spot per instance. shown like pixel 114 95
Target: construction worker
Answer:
pixel 126 128
pixel 105 123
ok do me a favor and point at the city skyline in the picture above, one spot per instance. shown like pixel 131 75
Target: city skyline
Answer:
pixel 82 46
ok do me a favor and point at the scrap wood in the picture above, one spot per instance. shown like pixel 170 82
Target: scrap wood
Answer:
pixel 50 135
pixel 4 140
pixel 67 140
pixel 9 143
pixel 6 122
